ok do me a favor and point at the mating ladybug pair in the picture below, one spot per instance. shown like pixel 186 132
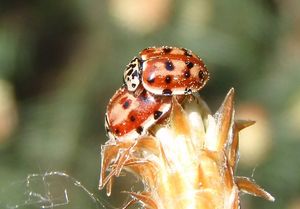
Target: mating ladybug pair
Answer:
pixel 150 81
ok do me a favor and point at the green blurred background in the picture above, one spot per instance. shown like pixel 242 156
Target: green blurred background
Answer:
pixel 61 61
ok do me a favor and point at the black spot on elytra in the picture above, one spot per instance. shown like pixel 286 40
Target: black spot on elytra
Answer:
pixel 150 79
pixel 187 53
pixel 117 131
pixel 168 79
pixel 132 118
pixel 157 114
pixel 167 92
pixel 187 74
pixel 139 130
pixel 169 65
pixel 189 64
pixel 126 104
pixel 167 50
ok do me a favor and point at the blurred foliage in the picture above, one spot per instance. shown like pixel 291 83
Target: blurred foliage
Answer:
pixel 64 60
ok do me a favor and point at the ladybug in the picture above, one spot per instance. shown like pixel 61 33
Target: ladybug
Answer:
pixel 130 115
pixel 166 71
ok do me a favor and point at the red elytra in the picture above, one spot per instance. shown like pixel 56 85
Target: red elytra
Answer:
pixel 150 81
pixel 166 71
pixel 130 115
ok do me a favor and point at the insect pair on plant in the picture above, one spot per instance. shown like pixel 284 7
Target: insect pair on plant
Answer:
pixel 150 82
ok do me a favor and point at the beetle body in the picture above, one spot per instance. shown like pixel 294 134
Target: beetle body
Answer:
pixel 150 82
pixel 130 115
pixel 166 71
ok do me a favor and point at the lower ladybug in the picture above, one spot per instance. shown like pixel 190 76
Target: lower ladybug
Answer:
pixel 130 115
pixel 166 71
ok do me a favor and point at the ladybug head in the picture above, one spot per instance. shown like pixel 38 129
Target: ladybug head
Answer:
pixel 132 77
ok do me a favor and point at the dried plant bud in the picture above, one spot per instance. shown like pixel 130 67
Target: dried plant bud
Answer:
pixel 186 162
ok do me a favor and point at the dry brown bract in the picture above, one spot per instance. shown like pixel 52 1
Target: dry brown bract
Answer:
pixel 188 162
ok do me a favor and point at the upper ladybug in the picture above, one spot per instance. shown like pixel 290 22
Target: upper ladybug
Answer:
pixel 166 71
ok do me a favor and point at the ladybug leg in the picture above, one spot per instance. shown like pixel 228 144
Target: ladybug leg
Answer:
pixel 246 185
pixel 123 157
pixel 116 166
pixel 122 152
pixel 108 153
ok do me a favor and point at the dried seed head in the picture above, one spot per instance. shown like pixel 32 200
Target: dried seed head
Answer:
pixel 188 162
